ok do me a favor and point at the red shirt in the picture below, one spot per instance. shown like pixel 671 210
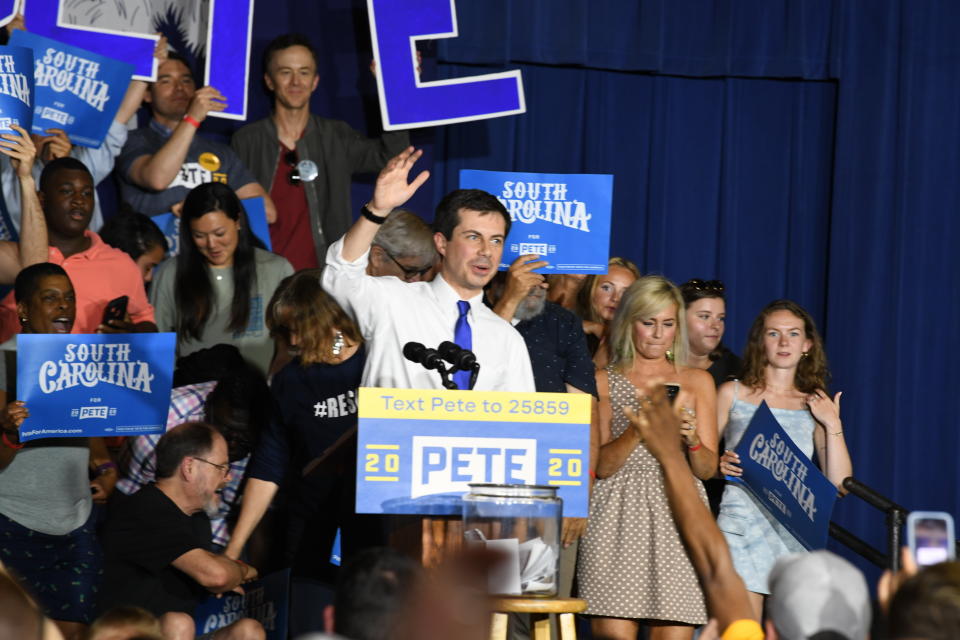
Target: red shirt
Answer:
pixel 291 235
pixel 99 274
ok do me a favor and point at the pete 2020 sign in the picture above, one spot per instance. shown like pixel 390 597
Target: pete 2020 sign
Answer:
pixel 81 385
pixel 418 449
pixel 76 90
pixel 785 481
pixel 564 218
pixel 405 101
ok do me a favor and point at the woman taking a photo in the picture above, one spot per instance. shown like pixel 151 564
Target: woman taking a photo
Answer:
pixel 597 302
pixel 706 318
pixel 216 290
pixel 633 568
pixel 785 366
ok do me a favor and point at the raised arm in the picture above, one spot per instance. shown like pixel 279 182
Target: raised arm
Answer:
pixel 520 279
pixel 391 191
pixel 724 591
pixel 156 171
pixel 33 246
pixel 832 453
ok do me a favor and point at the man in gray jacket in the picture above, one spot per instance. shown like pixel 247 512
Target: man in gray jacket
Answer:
pixel 306 161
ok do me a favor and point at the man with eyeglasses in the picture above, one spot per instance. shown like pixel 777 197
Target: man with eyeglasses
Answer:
pixel 403 248
pixel 163 161
pixel 155 541
pixel 304 160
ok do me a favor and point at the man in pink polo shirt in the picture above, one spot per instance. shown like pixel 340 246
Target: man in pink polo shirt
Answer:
pixel 99 272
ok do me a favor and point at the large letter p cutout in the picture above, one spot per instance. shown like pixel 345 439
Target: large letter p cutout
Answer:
pixel 405 102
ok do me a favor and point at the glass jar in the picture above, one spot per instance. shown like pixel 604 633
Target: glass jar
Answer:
pixel 522 522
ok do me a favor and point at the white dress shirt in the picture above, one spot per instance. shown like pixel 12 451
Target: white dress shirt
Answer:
pixel 391 313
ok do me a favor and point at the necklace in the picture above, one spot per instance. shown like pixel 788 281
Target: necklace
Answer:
pixel 338 343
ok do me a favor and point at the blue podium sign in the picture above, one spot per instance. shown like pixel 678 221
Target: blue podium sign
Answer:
pixel 76 90
pixel 565 218
pixel 418 450
pixel 785 481
pixel 94 385
pixel 16 88
pixel 266 600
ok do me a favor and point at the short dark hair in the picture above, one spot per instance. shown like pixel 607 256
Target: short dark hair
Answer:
pixel 286 41
pixel 927 605
pixel 373 590
pixel 29 279
pixel 179 57
pixel 65 163
pixel 133 233
pixel 447 215
pixel 183 441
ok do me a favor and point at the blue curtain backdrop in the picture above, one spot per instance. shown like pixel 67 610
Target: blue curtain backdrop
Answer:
pixel 793 149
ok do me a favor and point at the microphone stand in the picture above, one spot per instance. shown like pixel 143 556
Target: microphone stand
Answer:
pixel 445 378
pixel 474 372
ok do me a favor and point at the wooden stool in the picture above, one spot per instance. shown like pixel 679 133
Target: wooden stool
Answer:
pixel 539 610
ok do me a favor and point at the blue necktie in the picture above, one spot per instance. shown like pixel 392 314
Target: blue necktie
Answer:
pixel 463 336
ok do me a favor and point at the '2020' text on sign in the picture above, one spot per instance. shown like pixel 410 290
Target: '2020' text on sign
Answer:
pixel 419 450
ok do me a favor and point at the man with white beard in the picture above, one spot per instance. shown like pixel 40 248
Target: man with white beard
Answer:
pixel 561 364
pixel 155 541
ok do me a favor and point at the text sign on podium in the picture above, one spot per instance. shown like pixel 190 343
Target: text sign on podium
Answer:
pixel 419 449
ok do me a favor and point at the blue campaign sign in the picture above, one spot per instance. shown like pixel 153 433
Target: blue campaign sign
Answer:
pixel 785 481
pixel 418 450
pixel 16 88
pixel 256 215
pixel 266 600
pixel 405 101
pixel 565 218
pixel 94 385
pixel 76 90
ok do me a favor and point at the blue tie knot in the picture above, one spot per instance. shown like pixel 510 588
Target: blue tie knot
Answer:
pixel 464 307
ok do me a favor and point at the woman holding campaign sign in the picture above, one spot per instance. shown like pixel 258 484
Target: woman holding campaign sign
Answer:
pixel 216 290
pixel 786 367
pixel 633 566
pixel 597 302
pixel 46 526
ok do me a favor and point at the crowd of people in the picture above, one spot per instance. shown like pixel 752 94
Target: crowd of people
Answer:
pixel 122 538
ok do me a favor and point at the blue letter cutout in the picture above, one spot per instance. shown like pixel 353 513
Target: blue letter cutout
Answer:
pixel 405 102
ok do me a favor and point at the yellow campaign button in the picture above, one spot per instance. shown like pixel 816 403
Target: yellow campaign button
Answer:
pixel 209 161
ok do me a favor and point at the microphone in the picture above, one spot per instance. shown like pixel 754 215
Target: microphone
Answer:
pixel 461 359
pixel 416 352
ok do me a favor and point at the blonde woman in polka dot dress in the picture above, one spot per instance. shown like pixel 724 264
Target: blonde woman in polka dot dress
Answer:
pixel 633 568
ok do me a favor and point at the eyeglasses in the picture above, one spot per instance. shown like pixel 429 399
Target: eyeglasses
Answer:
pixel 224 469
pixel 409 273
pixel 711 286
pixel 294 176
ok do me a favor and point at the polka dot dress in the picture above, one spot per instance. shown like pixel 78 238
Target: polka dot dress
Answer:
pixel 632 563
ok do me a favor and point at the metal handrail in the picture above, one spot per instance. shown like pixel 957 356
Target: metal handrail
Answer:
pixel 895 516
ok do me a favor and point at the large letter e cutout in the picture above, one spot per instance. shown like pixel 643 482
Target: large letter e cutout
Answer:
pixel 405 102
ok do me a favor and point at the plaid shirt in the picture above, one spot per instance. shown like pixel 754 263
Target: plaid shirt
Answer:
pixel 138 459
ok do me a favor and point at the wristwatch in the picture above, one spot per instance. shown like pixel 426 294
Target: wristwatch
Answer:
pixel 371 216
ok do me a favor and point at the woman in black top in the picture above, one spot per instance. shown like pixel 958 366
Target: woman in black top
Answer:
pixel 316 417
pixel 706 315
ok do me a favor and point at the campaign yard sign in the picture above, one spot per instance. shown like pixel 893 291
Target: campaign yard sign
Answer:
pixel 76 90
pixel 16 88
pixel 256 215
pixel 785 481
pixel 82 385
pixel 564 218
pixel 419 449
pixel 266 600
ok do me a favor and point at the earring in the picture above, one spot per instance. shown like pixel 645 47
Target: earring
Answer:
pixel 338 343
pixel 669 355
pixel 804 354
pixel 23 321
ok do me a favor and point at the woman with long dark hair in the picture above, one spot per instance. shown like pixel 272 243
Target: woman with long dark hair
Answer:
pixel 216 290
pixel 785 366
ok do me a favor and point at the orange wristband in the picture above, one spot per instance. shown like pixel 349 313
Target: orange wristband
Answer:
pixel 7 442
pixel 193 121
pixel 696 448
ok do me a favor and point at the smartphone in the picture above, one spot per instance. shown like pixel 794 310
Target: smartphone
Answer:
pixel 116 310
pixel 930 537
pixel 672 390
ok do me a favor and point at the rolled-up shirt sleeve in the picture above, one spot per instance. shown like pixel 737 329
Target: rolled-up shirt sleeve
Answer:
pixel 347 281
